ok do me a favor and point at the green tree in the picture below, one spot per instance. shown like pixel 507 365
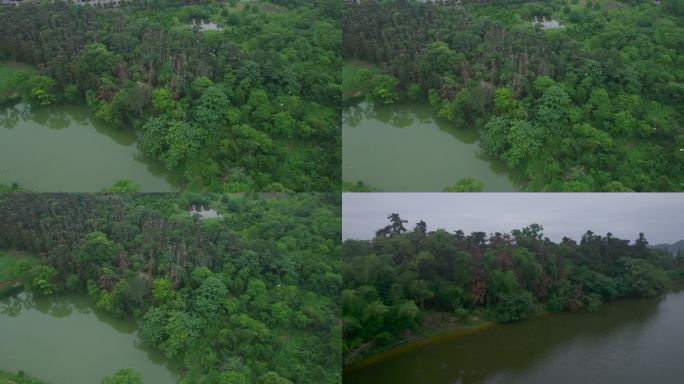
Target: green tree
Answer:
pixel 210 298
pixel 94 252
pixel 525 140
pixel 420 291
pixel 41 279
pixel 514 306
pixel 94 62
pixel 172 141
pixel 507 105
pixel 542 83
pixel 438 60
pixel 170 331
pixel 466 185
pixel 163 292
pixel 42 90
pixel 124 376
pixel 123 186
pixel 384 89
pixel 233 377
pixel 599 106
pixel 642 279
pixel 164 104
pixel 272 378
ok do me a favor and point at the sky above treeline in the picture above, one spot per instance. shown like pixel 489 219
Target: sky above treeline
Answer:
pixel 658 215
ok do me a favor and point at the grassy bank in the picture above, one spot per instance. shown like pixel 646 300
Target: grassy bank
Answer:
pixel 20 378
pixel 356 75
pixel 7 260
pixel 14 187
pixel 437 326
pixel 7 69
pixel 9 284
pixel 443 327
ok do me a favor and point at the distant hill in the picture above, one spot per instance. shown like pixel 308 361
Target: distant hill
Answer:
pixel 673 248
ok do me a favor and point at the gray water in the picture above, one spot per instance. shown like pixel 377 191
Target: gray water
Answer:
pixel 66 149
pixel 63 339
pixel 406 147
pixel 629 341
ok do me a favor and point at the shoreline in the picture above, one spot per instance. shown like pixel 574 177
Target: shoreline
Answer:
pixel 407 344
pixel 439 335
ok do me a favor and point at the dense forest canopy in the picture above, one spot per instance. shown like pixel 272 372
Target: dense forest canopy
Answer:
pixel 248 297
pixel 249 106
pixel 402 277
pixel 596 105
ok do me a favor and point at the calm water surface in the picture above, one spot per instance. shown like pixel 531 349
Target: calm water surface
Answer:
pixel 629 341
pixel 64 340
pixel 66 149
pixel 408 148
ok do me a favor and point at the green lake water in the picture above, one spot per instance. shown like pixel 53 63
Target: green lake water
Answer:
pixel 66 149
pixel 62 339
pixel 628 341
pixel 406 147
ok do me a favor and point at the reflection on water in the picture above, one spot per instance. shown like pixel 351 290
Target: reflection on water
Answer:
pixel 629 341
pixel 56 149
pixel 406 147
pixel 64 339
pixel 404 116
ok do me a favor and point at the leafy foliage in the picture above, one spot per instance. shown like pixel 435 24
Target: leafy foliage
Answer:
pixel 395 281
pixel 123 186
pixel 19 378
pixel 254 106
pixel 466 185
pixel 124 376
pixel 595 106
pixel 250 296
